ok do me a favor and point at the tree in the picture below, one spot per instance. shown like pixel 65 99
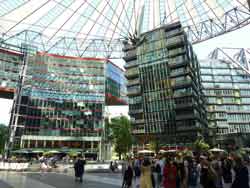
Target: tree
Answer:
pixel 200 146
pixel 154 145
pixel 3 137
pixel 120 134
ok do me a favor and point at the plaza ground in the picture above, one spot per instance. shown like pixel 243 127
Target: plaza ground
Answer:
pixel 58 180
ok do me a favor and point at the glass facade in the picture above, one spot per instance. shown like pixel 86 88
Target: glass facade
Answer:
pixel 62 98
pixel 116 91
pixel 227 90
pixel 164 86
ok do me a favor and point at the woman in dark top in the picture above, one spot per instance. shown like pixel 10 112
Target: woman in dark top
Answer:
pixel 241 175
pixel 208 176
pixel 79 168
pixel 128 176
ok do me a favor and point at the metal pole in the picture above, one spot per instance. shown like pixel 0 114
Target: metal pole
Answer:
pixel 16 104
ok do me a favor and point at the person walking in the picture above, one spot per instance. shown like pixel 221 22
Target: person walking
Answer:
pixel 79 168
pixel 128 176
pixel 146 179
pixel 193 174
pixel 227 176
pixel 208 175
pixel 241 175
pixel 169 175
pixel 157 174
pixel 137 172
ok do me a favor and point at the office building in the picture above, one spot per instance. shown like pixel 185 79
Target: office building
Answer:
pixel 58 100
pixel 227 89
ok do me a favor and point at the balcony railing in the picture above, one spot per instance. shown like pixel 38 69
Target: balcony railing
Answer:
pixel 130 55
pixel 132 73
pixel 133 82
pixel 134 91
pixel 130 64
pixel 174 41
pixel 138 121
pixel 137 111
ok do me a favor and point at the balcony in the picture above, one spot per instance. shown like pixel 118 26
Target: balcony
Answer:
pixel 134 91
pixel 128 47
pixel 139 131
pixel 176 52
pixel 137 111
pixel 177 61
pixel 138 121
pixel 175 41
pixel 133 82
pixel 130 55
pixel 130 64
pixel 186 128
pixel 181 83
pixel 132 73
pixel 184 105
pixel 186 116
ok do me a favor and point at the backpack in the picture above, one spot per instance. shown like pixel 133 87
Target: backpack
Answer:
pixel 192 176
pixel 227 174
pixel 158 169
pixel 137 171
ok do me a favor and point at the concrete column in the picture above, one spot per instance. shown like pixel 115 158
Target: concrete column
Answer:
pixel 92 146
pixel 44 143
pixel 21 144
pixel 28 143
pixel 100 151
pixel 36 144
pixel 52 144
pixel 83 146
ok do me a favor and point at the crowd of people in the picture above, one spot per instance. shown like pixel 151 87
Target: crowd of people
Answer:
pixel 217 171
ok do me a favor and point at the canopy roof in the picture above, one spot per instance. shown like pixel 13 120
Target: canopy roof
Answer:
pixel 92 23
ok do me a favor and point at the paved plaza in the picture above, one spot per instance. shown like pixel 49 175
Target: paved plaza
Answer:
pixel 57 180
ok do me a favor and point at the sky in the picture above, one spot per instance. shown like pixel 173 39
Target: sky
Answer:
pixel 236 39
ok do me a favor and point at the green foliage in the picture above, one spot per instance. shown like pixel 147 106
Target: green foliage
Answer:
pixel 154 145
pixel 3 136
pixel 120 134
pixel 200 145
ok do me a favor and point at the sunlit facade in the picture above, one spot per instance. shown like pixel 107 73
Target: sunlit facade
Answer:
pixel 227 89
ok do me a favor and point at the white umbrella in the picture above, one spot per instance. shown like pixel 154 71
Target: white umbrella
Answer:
pixel 246 149
pixel 145 151
pixel 171 151
pixel 53 151
pixel 37 151
pixel 162 151
pixel 216 150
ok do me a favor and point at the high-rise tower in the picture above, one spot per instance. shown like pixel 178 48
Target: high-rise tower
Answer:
pixel 164 87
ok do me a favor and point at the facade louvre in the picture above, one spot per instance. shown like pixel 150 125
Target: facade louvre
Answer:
pixel 164 86
pixel 227 90
pixel 62 98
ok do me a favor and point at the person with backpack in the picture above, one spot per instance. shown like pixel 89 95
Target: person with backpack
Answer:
pixel 193 175
pixel 158 175
pixel 137 172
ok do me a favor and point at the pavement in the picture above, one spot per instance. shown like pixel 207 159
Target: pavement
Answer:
pixel 58 180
